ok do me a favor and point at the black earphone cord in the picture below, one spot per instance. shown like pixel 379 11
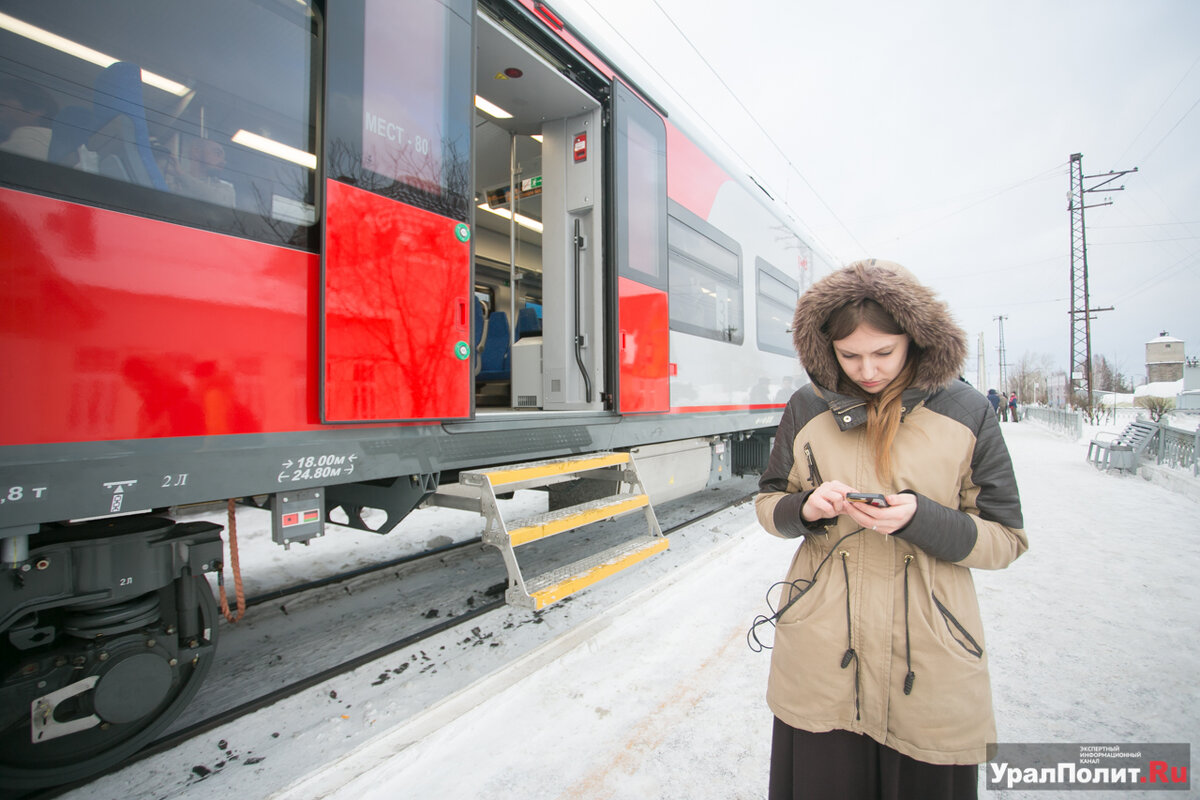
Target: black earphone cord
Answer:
pixel 752 640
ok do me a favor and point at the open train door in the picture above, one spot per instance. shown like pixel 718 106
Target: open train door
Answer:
pixel 640 211
pixel 396 261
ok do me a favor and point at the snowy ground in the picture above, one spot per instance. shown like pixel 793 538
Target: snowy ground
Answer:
pixel 1092 638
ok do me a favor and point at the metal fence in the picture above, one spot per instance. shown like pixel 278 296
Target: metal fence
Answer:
pixel 1177 448
pixel 1172 447
pixel 1057 419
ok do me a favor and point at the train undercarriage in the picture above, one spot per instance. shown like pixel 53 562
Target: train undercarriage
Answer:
pixel 110 628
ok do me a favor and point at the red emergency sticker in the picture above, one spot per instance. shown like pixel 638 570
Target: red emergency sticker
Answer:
pixel 300 517
pixel 580 148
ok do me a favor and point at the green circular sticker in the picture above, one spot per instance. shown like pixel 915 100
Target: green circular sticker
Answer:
pixel 462 350
pixel 462 231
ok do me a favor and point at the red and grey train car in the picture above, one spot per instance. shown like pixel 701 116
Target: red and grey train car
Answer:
pixel 334 256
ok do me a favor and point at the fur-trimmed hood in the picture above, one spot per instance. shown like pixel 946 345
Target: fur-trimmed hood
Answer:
pixel 942 343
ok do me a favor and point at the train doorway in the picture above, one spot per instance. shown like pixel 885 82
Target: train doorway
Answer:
pixel 539 230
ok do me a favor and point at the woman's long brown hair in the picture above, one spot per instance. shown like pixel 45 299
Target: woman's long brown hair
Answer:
pixel 884 409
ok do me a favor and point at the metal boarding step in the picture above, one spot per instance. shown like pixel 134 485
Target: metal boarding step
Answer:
pixel 540 591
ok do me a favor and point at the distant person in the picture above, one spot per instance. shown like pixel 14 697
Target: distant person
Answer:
pixel 1012 406
pixel 879 680
pixel 761 393
pixel 785 391
pixel 198 173
pixel 26 113
pixel 994 398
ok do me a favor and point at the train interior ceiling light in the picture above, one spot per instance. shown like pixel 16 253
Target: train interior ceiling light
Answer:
pixel 522 220
pixel 273 148
pixel 103 60
pixel 71 48
pixel 490 108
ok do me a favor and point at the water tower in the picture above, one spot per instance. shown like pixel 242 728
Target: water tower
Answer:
pixel 1164 359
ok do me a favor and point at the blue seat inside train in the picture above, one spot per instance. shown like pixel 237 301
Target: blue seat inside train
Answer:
pixel 496 345
pixel 528 323
pixel 120 135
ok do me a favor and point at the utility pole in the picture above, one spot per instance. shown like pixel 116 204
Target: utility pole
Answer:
pixel 981 373
pixel 1081 308
pixel 1003 362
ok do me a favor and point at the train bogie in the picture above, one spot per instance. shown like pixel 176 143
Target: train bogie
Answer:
pixel 110 628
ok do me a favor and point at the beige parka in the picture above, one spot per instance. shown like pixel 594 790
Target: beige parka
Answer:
pixel 884 635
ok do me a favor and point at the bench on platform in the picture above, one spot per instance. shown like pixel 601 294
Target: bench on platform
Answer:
pixel 1122 451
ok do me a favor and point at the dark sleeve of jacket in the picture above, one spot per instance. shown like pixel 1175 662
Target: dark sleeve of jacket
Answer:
pixel 781 496
pixel 986 530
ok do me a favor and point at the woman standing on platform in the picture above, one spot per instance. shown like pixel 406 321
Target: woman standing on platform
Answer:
pixel 879 678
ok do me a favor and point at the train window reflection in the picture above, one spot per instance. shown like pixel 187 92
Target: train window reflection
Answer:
pixel 156 108
pixel 398 82
pixel 776 301
pixel 641 167
pixel 705 278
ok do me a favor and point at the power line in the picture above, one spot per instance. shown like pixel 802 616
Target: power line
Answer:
pixel 1148 241
pixel 1162 105
pixel 759 125
pixel 1165 273
pixel 1140 283
pixel 1008 305
pixel 1053 171
pixel 1007 268
pixel 1172 130
pixel 1145 225
pixel 704 120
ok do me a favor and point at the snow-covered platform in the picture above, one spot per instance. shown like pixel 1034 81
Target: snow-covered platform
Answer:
pixel 1091 637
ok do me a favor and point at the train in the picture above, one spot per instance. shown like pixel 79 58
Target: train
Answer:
pixel 340 260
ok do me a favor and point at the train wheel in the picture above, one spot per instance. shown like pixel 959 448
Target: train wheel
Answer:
pixel 114 679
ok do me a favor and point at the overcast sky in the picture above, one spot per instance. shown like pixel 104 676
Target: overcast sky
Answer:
pixel 938 134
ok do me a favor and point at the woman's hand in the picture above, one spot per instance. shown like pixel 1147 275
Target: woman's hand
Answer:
pixel 899 512
pixel 826 501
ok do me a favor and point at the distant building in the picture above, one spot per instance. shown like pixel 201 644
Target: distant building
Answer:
pixel 1189 398
pixel 1056 390
pixel 1164 359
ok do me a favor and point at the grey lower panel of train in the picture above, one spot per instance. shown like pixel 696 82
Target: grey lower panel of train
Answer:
pixel 45 483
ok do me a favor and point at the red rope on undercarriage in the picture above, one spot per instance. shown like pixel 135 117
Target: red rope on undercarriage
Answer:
pixel 237 573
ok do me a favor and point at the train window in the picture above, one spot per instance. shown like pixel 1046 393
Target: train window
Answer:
pixel 776 302
pixel 705 278
pixel 486 297
pixel 641 203
pixel 157 108
pixel 399 117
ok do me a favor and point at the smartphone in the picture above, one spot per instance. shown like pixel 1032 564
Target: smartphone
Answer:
pixel 870 498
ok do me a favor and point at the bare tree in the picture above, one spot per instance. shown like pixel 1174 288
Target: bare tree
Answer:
pixel 1107 376
pixel 1157 406
pixel 1030 377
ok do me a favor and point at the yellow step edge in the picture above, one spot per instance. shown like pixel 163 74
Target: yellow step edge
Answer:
pixel 503 476
pixel 531 533
pixel 560 590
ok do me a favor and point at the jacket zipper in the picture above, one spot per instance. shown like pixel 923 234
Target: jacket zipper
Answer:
pixel 814 474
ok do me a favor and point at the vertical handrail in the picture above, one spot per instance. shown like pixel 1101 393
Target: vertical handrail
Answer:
pixel 579 245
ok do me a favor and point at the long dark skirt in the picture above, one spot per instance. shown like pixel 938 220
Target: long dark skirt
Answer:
pixel 840 765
